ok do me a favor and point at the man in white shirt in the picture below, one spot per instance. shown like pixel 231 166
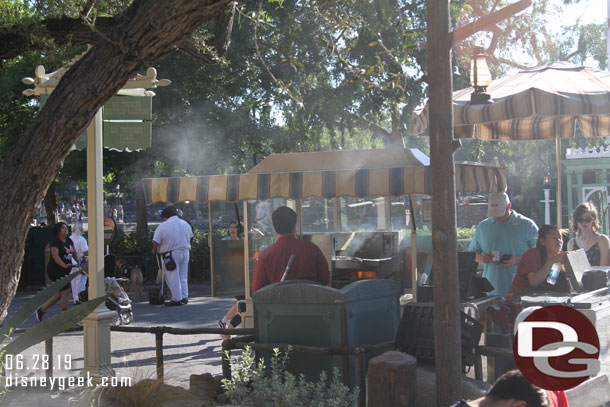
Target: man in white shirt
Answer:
pixel 79 283
pixel 174 236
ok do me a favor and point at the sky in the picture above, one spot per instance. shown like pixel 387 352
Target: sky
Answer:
pixel 589 11
pixel 584 12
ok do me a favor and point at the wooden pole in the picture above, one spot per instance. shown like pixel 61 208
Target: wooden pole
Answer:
pixel 444 237
pixel 159 355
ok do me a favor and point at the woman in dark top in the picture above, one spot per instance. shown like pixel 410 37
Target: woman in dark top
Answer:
pixel 60 265
pixel 585 225
pixel 536 264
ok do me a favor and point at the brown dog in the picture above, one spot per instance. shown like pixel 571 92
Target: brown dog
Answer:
pixel 136 280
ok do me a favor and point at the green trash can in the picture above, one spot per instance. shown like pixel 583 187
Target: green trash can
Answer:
pixel 305 313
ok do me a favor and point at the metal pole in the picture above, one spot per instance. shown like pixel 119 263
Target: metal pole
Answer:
pixel 412 200
pixel 299 211
pixel 246 252
pixel 211 245
pixel 558 165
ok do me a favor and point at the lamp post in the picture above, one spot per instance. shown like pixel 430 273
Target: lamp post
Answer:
pixel 480 77
pixel 546 183
pixel 96 326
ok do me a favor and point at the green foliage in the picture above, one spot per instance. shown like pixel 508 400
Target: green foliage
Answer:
pixel 138 250
pixel 130 244
pixel 466 233
pixel 252 385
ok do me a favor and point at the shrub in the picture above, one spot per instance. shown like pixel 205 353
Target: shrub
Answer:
pixel 252 386
pixel 138 251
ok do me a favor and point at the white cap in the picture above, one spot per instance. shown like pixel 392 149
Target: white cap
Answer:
pixel 497 204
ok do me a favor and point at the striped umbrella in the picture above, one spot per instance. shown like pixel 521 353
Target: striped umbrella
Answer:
pixel 542 103
pixel 537 104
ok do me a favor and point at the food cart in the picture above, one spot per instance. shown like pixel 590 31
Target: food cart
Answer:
pixel 355 205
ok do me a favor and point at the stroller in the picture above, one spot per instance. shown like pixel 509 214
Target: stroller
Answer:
pixel 118 300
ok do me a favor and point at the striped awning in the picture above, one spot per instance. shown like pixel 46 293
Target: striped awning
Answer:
pixel 533 105
pixel 321 183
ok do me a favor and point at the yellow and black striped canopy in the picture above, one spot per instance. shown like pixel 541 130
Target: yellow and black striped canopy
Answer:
pixel 383 177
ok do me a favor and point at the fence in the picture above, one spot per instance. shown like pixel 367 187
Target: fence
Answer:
pixel 239 343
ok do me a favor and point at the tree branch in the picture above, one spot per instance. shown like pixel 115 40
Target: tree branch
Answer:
pixel 35 34
pixel 87 9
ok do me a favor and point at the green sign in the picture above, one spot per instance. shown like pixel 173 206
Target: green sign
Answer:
pixel 128 108
pixel 121 135
pixel 127 135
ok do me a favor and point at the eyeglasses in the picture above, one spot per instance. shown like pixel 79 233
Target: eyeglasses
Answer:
pixel 585 220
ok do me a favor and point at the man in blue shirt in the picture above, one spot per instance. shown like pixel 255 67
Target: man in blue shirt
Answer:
pixel 500 241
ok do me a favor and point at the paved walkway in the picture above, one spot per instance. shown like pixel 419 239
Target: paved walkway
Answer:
pixel 133 354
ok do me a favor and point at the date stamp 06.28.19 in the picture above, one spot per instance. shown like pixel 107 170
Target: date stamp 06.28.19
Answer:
pixel 22 365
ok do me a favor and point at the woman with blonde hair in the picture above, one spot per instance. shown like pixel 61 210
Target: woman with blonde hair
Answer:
pixel 585 224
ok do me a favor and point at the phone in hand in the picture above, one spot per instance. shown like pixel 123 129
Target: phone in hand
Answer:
pixel 505 258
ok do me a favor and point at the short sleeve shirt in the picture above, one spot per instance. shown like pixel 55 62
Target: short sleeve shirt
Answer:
pixel 66 252
pixel 530 263
pixel 515 236
pixel 80 244
pixel 173 234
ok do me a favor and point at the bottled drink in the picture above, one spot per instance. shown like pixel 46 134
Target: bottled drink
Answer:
pixel 554 273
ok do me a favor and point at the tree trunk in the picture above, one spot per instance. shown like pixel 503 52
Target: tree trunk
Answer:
pixel 50 205
pixel 141 218
pixel 147 31
pixel 447 349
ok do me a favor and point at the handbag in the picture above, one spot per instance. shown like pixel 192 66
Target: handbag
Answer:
pixel 169 262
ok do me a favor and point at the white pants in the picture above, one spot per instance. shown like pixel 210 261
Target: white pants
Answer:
pixel 79 283
pixel 177 279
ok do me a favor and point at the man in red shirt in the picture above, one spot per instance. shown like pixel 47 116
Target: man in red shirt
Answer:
pixel 309 262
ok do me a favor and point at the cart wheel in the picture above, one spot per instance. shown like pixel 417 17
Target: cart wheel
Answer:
pixel 116 319
pixel 127 318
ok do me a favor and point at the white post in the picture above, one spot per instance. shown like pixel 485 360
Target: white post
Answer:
pixel 97 324
pixel 547 206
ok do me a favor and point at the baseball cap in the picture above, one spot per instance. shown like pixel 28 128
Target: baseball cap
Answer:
pixel 497 203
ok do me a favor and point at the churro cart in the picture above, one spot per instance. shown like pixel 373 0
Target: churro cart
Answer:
pixel 355 205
